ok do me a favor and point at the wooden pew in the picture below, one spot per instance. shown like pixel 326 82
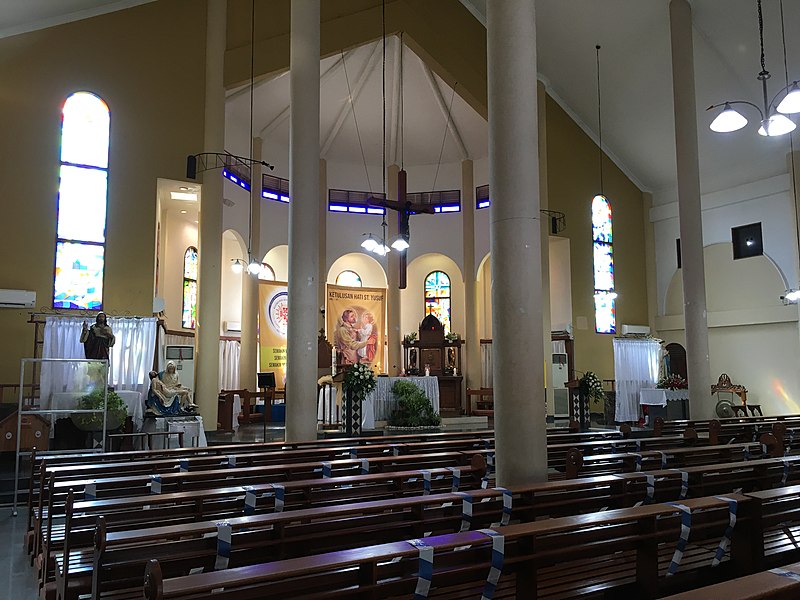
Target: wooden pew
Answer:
pixel 283 535
pixel 618 550
pixel 781 583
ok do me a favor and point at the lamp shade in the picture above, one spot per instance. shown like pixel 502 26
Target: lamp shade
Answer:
pixel 728 120
pixel 381 249
pixel 776 125
pixel 791 102
pixel 237 265
pixel 791 296
pixel 369 244
pixel 254 268
pixel 400 244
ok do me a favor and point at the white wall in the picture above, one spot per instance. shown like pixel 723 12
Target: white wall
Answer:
pixel 412 299
pixel 231 292
pixel 768 201
pixel 179 233
pixel 369 269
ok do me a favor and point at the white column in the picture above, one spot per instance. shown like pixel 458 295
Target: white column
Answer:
pixel 210 233
pixel 249 339
pixel 323 239
pixel 301 351
pixel 690 216
pixel 394 359
pixel 472 373
pixel 520 435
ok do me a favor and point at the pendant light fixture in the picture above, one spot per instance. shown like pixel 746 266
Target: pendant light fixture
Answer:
pixel 774 121
pixel 237 264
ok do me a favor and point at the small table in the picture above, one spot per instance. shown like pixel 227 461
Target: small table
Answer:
pixel 669 404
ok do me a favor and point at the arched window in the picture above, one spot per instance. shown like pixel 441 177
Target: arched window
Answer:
pixel 437 297
pixel 267 273
pixel 82 202
pixel 348 278
pixel 605 318
pixel 189 319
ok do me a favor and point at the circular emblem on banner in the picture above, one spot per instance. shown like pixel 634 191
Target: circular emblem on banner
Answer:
pixel 278 313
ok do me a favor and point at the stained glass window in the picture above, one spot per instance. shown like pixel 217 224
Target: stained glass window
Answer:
pixel 437 297
pixel 605 317
pixel 82 202
pixel 348 278
pixel 189 319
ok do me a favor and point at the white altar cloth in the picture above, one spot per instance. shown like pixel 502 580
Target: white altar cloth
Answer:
pixel 132 399
pixel 380 402
pixel 326 405
pixel 657 397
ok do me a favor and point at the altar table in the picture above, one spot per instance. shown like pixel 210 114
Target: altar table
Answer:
pixel 669 404
pixel 380 402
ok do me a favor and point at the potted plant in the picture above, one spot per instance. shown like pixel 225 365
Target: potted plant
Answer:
pixel 116 411
pixel 410 338
pixel 452 337
pixel 414 410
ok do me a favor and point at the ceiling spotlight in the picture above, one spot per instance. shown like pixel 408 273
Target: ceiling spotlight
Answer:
pixel 237 265
pixel 183 212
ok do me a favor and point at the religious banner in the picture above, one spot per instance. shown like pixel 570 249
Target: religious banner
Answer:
pixel 355 322
pixel 273 322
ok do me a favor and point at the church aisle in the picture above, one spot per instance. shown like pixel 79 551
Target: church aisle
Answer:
pixel 18 581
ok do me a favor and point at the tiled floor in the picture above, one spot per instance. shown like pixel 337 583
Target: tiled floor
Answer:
pixel 17 576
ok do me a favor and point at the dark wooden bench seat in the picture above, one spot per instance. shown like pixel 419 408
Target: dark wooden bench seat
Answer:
pixel 782 583
pixel 282 535
pixel 575 543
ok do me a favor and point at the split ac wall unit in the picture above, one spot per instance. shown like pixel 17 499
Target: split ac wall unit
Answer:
pixel 635 330
pixel 17 299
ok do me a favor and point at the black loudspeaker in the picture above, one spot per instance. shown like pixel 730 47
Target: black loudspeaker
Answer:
pixel 266 380
pixel 747 241
pixel 191 166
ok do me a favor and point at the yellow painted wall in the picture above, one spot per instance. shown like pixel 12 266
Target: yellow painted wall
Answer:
pixel 573 180
pixel 147 63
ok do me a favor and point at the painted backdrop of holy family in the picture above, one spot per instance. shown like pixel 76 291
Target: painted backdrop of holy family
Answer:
pixel 354 325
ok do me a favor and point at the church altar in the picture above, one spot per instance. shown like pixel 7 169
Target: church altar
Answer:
pixel 668 404
pixel 658 397
pixel 380 402
pixel 132 399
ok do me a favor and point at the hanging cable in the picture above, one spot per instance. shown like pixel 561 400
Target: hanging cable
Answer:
pixel 383 91
pixel 444 135
pixel 794 181
pixel 252 146
pixel 355 120
pixel 599 120
pixel 402 109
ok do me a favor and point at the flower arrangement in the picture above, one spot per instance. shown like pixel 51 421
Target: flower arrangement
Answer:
pixel 410 338
pixel 452 337
pixel 592 387
pixel 359 380
pixel 673 382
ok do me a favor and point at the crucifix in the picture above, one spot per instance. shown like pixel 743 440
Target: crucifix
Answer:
pixel 405 209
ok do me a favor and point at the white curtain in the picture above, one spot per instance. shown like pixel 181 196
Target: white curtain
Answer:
pixel 486 365
pixel 131 357
pixel 229 364
pixel 635 367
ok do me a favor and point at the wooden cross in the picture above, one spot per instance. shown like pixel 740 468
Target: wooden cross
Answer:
pixel 404 209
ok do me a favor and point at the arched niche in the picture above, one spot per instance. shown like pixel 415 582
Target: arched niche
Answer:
pixel 731 284
pixel 369 269
pixel 484 292
pixel 233 247
pixel 278 259
pixel 751 336
pixel 412 299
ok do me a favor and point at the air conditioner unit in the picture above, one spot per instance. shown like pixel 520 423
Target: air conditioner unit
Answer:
pixel 230 326
pixel 635 330
pixel 17 299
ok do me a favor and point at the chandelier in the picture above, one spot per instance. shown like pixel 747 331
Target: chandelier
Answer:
pixel 774 121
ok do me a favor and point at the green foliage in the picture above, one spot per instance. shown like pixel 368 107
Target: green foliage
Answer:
pixel 413 407
pixel 116 409
pixel 359 380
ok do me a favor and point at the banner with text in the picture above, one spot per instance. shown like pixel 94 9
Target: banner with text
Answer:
pixel 273 321
pixel 355 321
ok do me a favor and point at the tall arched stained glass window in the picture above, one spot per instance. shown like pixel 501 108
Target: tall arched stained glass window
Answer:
pixel 82 201
pixel 349 278
pixel 189 319
pixel 437 297
pixel 605 318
